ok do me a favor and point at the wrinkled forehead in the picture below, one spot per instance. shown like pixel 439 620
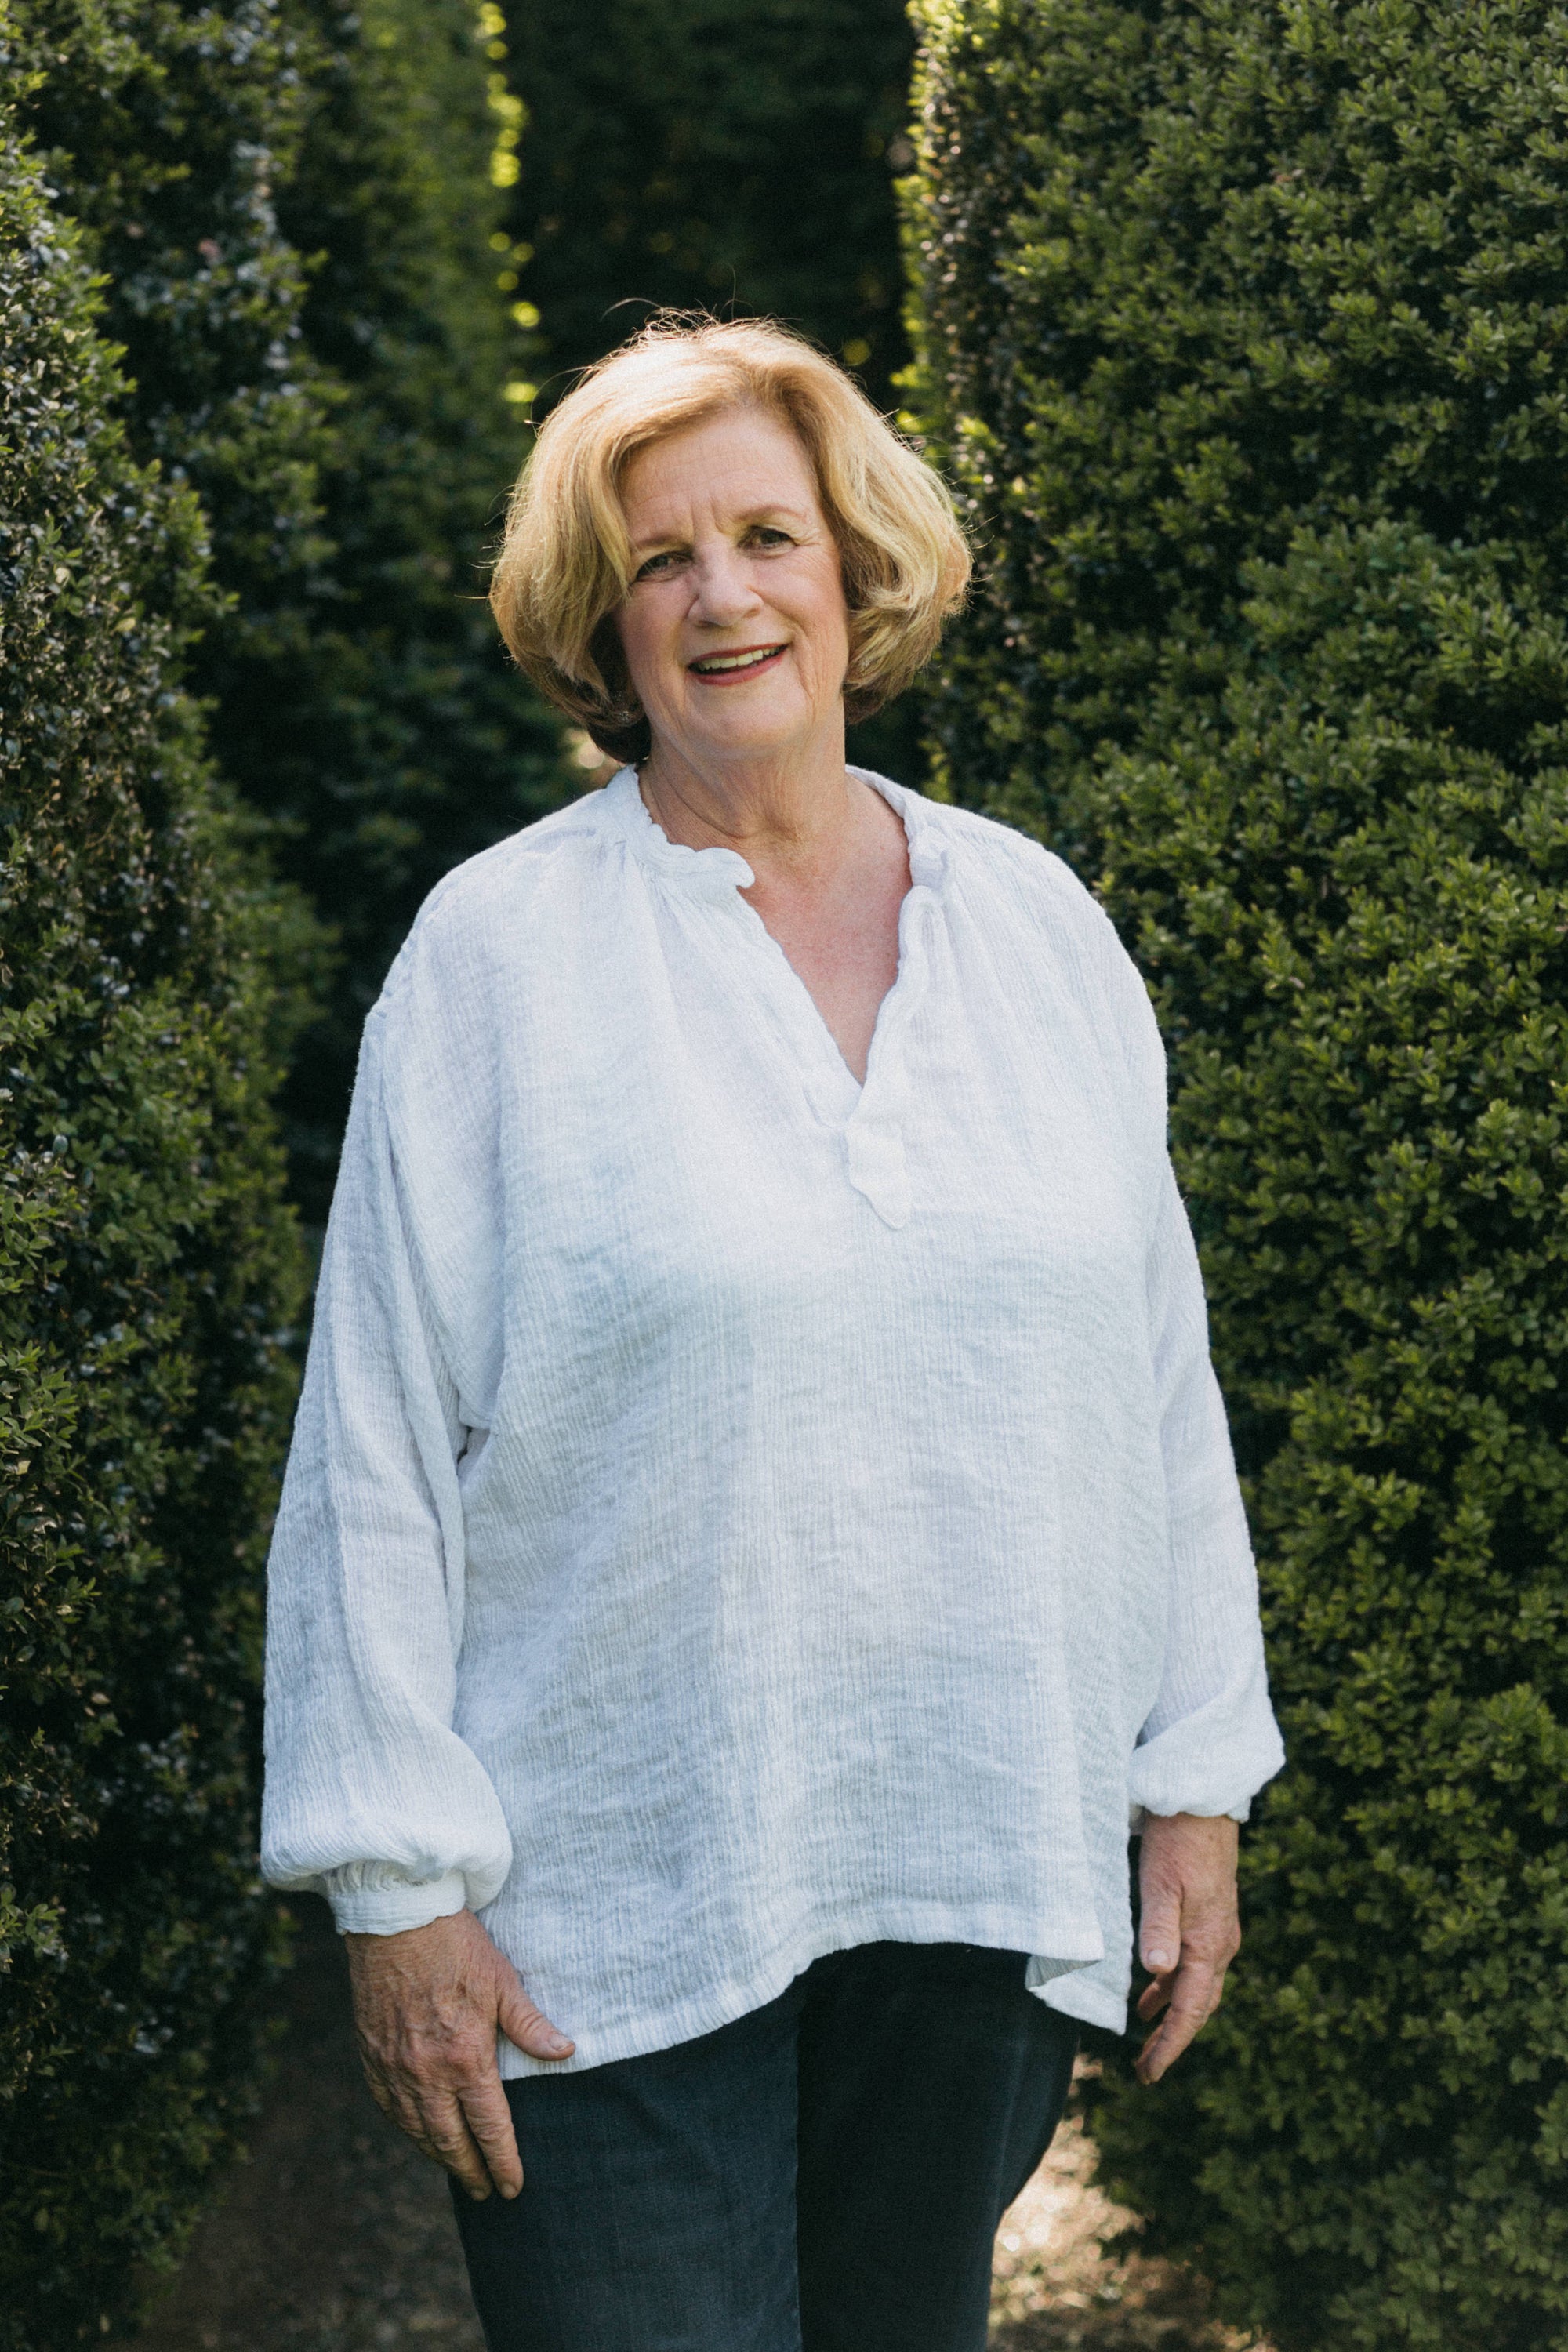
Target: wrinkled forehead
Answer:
pixel 739 463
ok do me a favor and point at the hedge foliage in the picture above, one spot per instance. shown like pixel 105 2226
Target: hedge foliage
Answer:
pixel 1242 331
pixel 253 362
pixel 390 734
pixel 696 154
pixel 291 202
pixel 148 1273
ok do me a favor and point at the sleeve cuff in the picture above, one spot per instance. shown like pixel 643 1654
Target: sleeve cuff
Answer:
pixel 392 1908
pixel 1184 1771
pixel 1137 1814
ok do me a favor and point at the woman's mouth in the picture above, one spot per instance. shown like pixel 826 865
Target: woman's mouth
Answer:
pixel 730 668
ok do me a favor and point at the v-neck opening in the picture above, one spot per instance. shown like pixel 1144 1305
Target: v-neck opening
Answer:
pixel 886 1009
pixel 870 1116
pixel 726 870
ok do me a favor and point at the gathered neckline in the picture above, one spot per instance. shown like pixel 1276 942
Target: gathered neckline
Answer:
pixel 720 869
pixel 868 1112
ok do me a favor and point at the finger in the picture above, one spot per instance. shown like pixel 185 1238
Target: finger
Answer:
pixel 393 2093
pixel 414 2107
pixel 1155 1997
pixel 1192 2004
pixel 1160 1929
pixel 445 2134
pixel 488 2118
pixel 527 2027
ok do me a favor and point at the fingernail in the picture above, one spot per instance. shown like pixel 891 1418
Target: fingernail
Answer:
pixel 1158 1960
pixel 478 2195
pixel 558 2045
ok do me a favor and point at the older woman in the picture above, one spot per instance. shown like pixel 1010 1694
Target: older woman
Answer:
pixel 760 1520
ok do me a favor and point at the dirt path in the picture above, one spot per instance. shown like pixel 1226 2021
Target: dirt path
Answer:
pixel 335 2236
pixel 1056 2290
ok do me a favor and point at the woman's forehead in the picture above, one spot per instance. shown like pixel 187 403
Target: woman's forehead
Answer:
pixel 739 463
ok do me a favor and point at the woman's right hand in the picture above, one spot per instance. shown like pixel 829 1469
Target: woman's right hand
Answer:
pixel 429 2004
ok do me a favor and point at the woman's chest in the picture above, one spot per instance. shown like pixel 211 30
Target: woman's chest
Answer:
pixel 699 1170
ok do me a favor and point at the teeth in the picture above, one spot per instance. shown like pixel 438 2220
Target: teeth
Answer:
pixel 735 661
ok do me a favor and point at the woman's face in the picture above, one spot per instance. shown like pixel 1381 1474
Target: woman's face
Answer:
pixel 735 628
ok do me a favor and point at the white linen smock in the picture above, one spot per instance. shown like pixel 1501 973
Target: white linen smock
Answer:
pixel 736 1514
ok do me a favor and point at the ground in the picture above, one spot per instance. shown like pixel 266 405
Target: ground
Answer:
pixel 1057 2289
pixel 335 2236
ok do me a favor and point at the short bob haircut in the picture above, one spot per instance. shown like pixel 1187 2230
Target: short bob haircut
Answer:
pixel 565 562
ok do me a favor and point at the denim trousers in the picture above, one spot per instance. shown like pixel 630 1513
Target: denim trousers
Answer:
pixel 824 2174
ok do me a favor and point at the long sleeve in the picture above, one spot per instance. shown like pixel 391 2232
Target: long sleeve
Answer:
pixel 1210 1741
pixel 370 1797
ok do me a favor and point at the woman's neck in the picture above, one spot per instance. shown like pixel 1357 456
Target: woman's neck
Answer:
pixel 792 812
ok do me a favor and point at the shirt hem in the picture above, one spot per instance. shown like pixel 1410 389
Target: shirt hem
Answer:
pixel 1074 1943
pixel 1081 1997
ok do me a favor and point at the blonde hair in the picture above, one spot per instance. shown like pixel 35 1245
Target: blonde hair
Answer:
pixel 565 562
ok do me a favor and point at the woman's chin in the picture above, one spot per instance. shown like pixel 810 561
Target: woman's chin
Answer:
pixel 740 725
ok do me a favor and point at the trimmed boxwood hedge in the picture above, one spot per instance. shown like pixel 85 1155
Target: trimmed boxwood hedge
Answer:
pixel 148 1274
pixel 1243 332
pixel 695 154
pixel 291 201
pixel 387 731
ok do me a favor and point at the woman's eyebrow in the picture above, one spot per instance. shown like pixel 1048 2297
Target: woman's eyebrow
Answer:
pixel 674 537
pixel 776 510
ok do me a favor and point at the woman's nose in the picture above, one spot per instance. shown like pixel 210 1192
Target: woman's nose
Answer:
pixel 725 589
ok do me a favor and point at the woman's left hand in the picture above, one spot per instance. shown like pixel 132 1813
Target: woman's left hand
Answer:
pixel 1189 1930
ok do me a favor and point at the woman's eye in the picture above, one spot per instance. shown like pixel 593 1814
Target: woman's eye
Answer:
pixel 656 564
pixel 766 535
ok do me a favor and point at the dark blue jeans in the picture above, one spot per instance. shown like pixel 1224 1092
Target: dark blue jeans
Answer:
pixel 825 2175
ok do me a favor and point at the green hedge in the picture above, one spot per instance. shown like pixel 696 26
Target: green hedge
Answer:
pixel 1242 332
pixel 391 735
pixel 291 202
pixel 148 1276
pixel 695 154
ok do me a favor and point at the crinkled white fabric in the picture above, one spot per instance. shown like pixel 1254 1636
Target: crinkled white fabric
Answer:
pixel 736 1515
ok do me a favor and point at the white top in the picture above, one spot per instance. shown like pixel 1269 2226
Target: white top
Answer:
pixel 734 1513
